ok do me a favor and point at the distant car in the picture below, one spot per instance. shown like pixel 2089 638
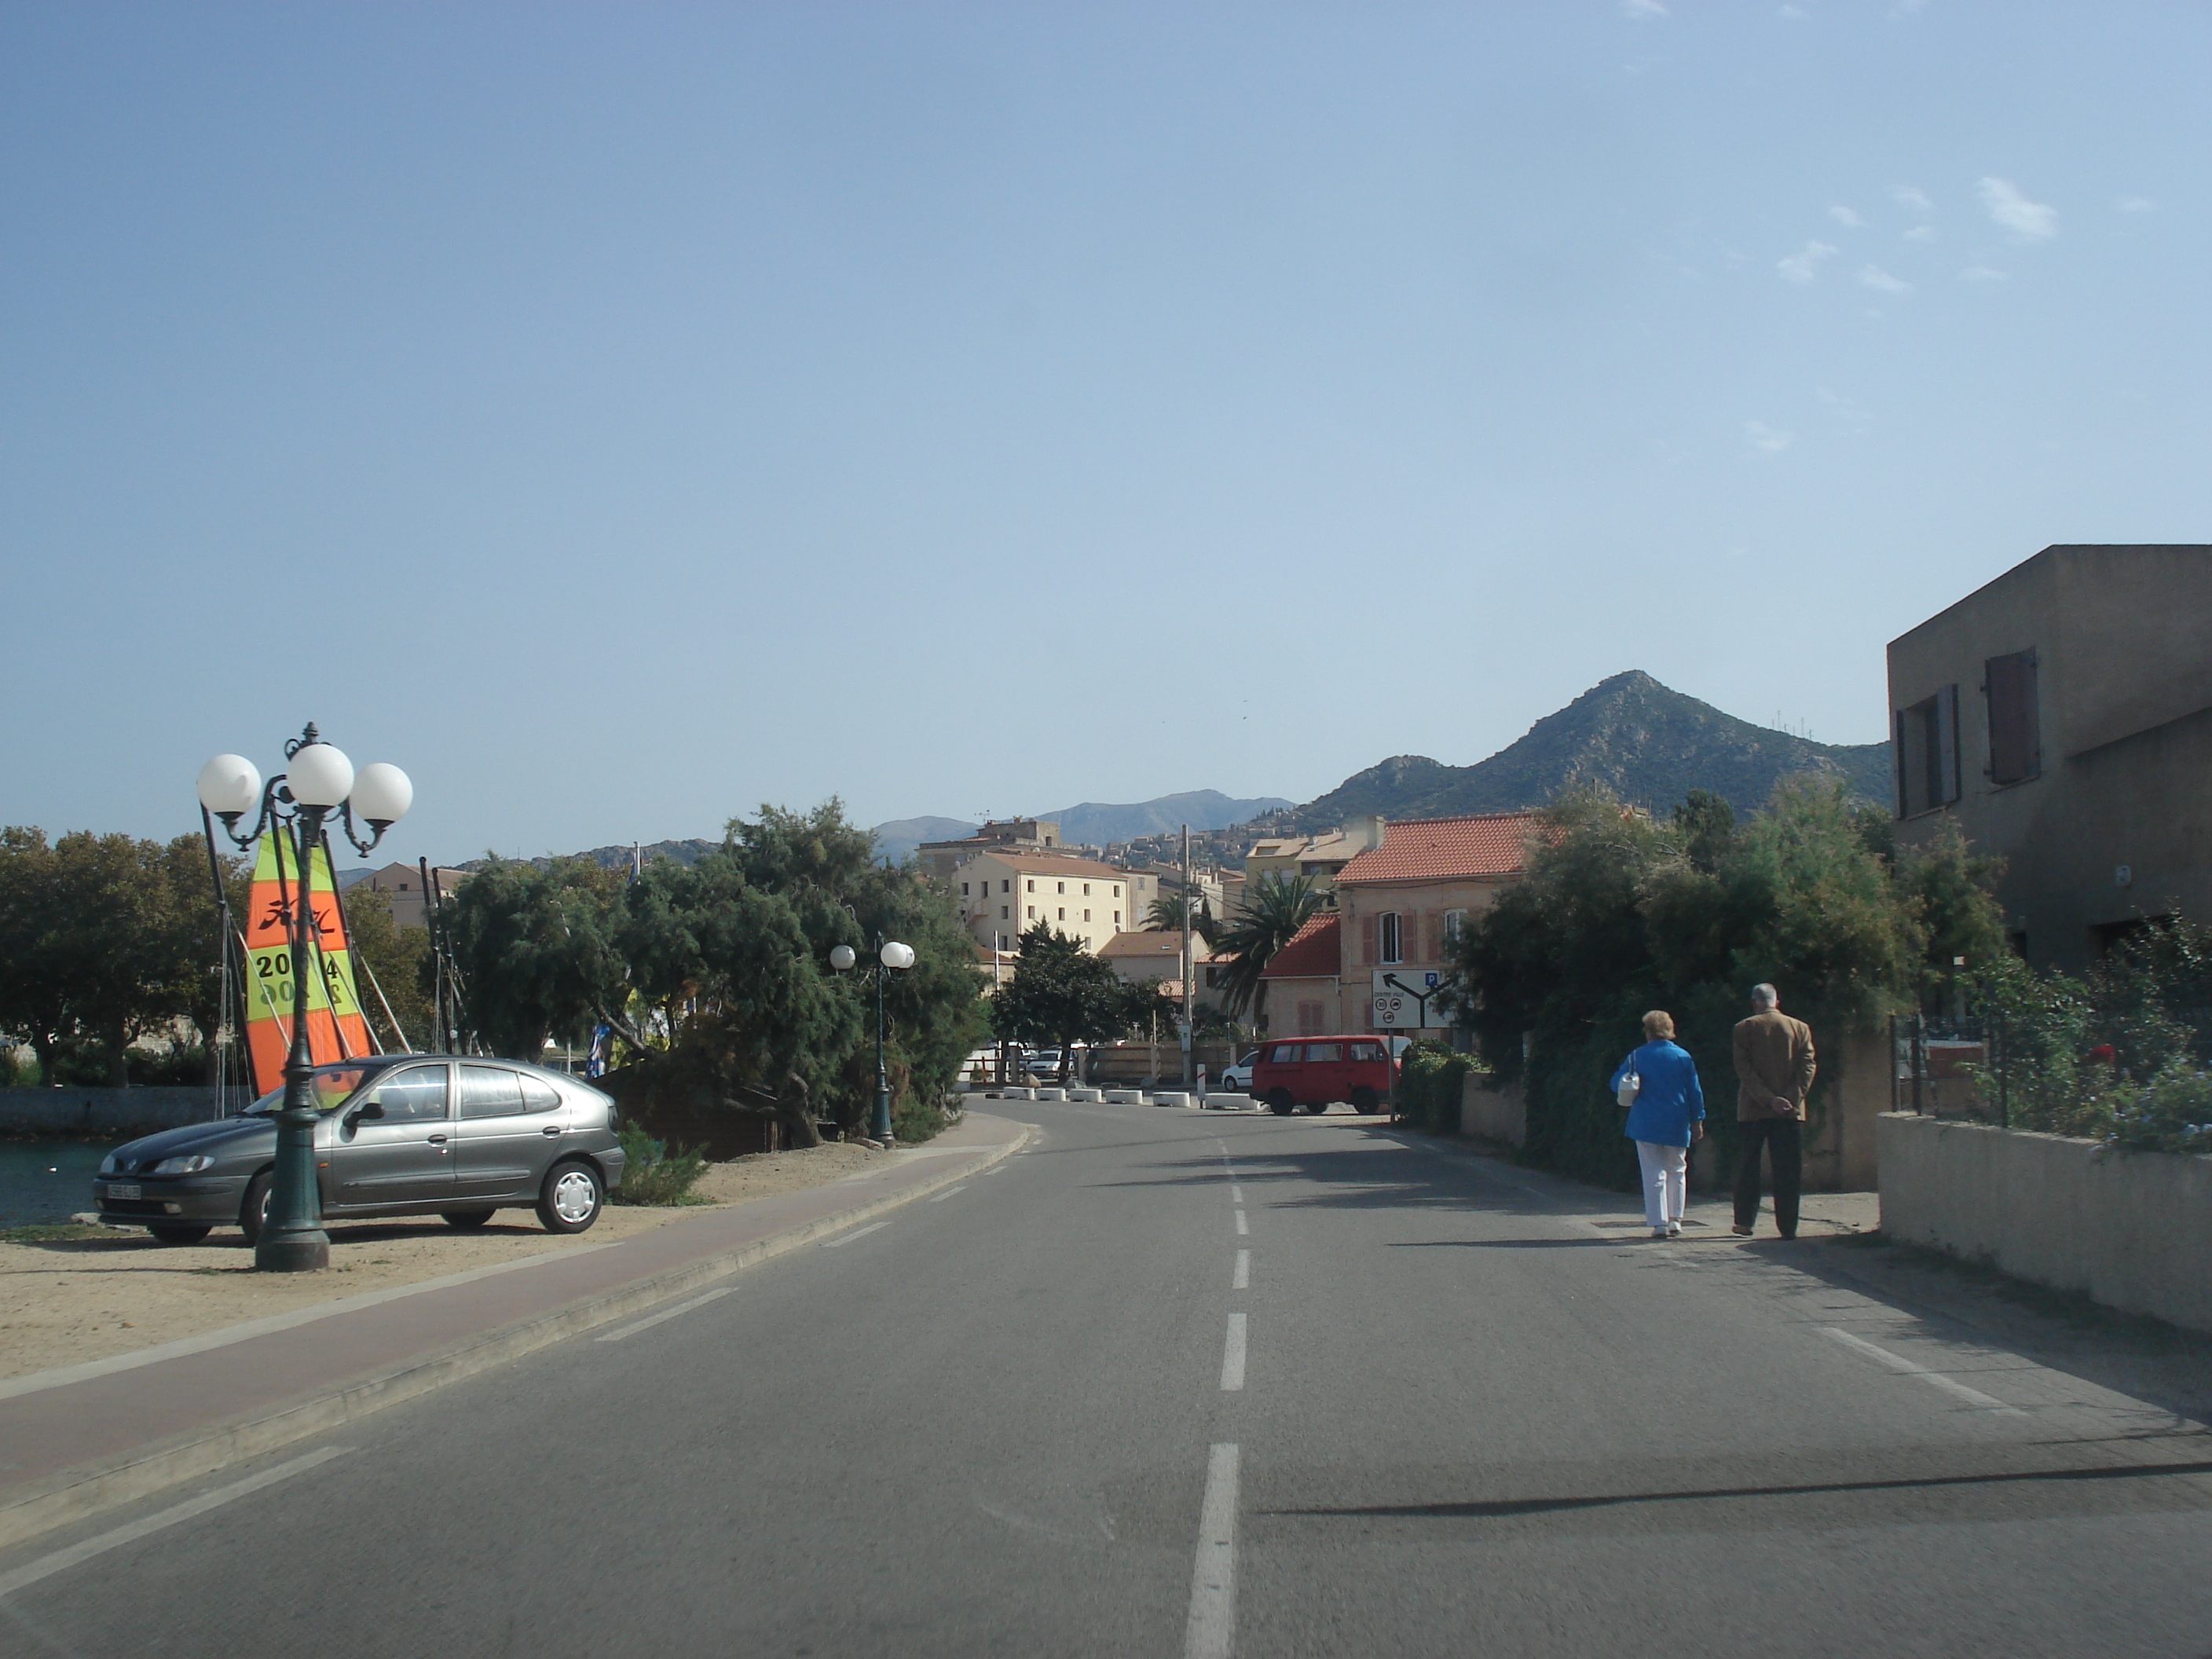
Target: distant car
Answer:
pixel 1314 1072
pixel 396 1135
pixel 1238 1075
pixel 1042 1065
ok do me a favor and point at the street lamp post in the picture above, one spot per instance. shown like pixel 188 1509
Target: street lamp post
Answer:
pixel 891 956
pixel 319 781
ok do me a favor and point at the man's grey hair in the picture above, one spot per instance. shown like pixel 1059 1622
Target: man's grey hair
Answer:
pixel 1764 995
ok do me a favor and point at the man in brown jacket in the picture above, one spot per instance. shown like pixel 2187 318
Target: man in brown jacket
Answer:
pixel 1774 1071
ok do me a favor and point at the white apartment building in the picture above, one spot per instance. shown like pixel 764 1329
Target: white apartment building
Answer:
pixel 1002 894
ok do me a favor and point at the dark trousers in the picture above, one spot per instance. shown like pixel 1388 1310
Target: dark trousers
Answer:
pixel 1785 1149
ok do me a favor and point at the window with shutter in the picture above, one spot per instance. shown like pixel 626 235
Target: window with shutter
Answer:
pixel 1925 753
pixel 1393 937
pixel 2015 733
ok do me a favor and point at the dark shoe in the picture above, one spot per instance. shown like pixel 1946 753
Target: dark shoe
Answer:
pixel 1741 1231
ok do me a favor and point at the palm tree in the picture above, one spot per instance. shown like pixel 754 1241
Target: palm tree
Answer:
pixel 1165 916
pixel 1276 905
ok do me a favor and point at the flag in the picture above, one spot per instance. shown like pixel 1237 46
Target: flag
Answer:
pixel 337 1030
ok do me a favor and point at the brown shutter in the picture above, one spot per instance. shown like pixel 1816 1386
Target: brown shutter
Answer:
pixel 1432 936
pixel 1367 941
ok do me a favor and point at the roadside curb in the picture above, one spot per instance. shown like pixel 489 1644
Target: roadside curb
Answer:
pixel 87 1490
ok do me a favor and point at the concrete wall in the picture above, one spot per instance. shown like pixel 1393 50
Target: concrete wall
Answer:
pixel 2131 1229
pixel 95 1114
pixel 1842 1152
pixel 1497 1115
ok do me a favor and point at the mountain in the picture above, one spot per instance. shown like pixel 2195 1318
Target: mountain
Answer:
pixel 1646 743
pixel 1097 825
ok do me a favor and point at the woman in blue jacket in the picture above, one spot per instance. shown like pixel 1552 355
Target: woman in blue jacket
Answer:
pixel 1669 1113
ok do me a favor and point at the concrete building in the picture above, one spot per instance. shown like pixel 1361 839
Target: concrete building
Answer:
pixel 1319 858
pixel 942 858
pixel 2061 717
pixel 1001 894
pixel 403 881
pixel 1376 963
pixel 1157 955
pixel 1403 904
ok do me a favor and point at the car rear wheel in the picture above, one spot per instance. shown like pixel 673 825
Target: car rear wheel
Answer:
pixel 1280 1103
pixel 466 1220
pixel 253 1214
pixel 570 1199
pixel 1363 1100
pixel 180 1233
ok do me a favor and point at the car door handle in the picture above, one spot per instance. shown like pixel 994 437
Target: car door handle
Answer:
pixel 437 1140
pixel 550 1130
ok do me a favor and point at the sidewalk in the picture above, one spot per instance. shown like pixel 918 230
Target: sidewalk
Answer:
pixel 83 1438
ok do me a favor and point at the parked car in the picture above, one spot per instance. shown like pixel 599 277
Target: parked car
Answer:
pixel 398 1134
pixel 1314 1072
pixel 1042 1065
pixel 1238 1073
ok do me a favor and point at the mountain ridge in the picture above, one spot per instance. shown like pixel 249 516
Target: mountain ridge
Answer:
pixel 1646 742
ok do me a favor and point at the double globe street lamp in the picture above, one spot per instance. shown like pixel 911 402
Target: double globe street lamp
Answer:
pixel 318 781
pixel 894 957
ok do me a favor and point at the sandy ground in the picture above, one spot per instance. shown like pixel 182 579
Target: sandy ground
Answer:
pixel 68 1301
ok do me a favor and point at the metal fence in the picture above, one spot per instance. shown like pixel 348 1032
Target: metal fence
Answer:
pixel 1938 1067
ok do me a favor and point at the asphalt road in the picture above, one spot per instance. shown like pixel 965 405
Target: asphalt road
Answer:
pixel 1168 1384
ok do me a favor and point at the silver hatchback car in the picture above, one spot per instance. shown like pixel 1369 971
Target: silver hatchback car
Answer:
pixel 397 1134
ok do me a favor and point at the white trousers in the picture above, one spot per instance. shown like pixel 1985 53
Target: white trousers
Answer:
pixel 1662 1181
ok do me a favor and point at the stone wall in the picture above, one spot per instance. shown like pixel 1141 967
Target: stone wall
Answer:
pixel 2131 1229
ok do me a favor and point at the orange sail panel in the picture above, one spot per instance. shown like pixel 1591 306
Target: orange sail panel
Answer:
pixel 336 1028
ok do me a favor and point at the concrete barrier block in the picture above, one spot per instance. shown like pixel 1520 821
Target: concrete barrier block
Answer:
pixel 1125 1097
pixel 1190 1102
pixel 1217 1101
pixel 1092 1096
pixel 1048 1094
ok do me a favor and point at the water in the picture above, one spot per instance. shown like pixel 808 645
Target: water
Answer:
pixel 47 1180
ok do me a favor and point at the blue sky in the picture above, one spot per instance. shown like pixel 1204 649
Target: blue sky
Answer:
pixel 619 416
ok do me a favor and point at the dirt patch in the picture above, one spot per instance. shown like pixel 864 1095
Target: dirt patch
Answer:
pixel 68 1300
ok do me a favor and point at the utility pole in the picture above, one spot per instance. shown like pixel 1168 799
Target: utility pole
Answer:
pixel 1188 1075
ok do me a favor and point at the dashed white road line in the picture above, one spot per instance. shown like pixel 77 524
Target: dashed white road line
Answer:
pixel 46 1566
pixel 857 1232
pixel 940 1198
pixel 1236 1194
pixel 1904 1367
pixel 1241 1229
pixel 1232 1355
pixel 1210 1631
pixel 1242 1278
pixel 634 1327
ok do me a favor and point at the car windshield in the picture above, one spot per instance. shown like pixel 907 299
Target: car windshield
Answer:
pixel 331 1085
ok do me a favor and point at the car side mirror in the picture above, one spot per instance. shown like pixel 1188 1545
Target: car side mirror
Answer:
pixel 362 1112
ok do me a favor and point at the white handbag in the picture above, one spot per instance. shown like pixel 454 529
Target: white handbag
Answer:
pixel 1626 1093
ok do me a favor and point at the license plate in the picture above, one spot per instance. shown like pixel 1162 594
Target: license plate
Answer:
pixel 130 1190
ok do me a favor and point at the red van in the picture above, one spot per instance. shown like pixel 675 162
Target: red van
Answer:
pixel 1313 1071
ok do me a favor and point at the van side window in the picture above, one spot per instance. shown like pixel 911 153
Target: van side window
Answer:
pixel 1285 1053
pixel 1366 1051
pixel 1319 1051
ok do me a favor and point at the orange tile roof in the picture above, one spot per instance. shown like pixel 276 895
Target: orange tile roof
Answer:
pixel 1312 952
pixel 1417 849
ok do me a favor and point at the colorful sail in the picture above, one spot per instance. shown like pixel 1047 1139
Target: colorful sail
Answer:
pixel 336 1028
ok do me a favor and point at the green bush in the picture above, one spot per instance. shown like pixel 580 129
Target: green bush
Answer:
pixel 655 1173
pixel 1430 1082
